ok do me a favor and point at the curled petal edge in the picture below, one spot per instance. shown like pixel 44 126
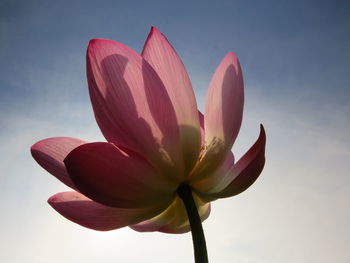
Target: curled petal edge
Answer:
pixel 50 153
pixel 245 172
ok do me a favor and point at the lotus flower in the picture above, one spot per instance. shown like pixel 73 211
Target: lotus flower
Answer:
pixel 157 141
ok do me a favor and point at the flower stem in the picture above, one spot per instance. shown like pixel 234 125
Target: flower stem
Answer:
pixel 199 245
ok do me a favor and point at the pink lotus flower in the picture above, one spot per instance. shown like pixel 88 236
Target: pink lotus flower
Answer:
pixel 157 141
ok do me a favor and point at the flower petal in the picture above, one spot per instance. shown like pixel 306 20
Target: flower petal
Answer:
pixel 116 178
pixel 244 173
pixel 223 115
pixel 224 105
pixel 216 181
pixel 159 53
pixel 174 219
pixel 85 212
pixel 131 105
pixel 50 153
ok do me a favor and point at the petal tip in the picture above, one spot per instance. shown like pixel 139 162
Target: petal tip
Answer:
pixel 34 149
pixel 93 42
pixel 37 147
pixel 98 40
pixel 97 43
pixel 53 199
pixel 232 57
pixel 262 134
pixel 154 30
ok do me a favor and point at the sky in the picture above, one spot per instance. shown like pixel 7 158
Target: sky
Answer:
pixel 295 57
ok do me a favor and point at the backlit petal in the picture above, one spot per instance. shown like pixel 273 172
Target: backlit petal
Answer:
pixel 244 173
pixel 163 58
pixel 131 105
pixel 224 104
pixel 50 153
pixel 85 212
pixel 223 115
pixel 174 219
pixel 117 178
pixel 216 181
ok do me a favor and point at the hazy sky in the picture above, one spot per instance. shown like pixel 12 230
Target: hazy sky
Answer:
pixel 295 57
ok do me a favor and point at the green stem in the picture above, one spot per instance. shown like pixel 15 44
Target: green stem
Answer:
pixel 199 245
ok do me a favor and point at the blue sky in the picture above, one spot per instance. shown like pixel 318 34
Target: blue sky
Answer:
pixel 295 57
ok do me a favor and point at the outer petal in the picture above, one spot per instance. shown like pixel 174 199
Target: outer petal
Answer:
pixel 163 58
pixel 115 178
pixel 50 153
pixel 244 173
pixel 85 212
pixel 223 114
pixel 131 105
pixel 174 219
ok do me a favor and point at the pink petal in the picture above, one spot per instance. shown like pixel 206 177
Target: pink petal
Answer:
pixel 165 61
pixel 85 212
pixel 223 115
pixel 224 105
pixel 117 178
pixel 244 173
pixel 174 219
pixel 50 153
pixel 132 106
